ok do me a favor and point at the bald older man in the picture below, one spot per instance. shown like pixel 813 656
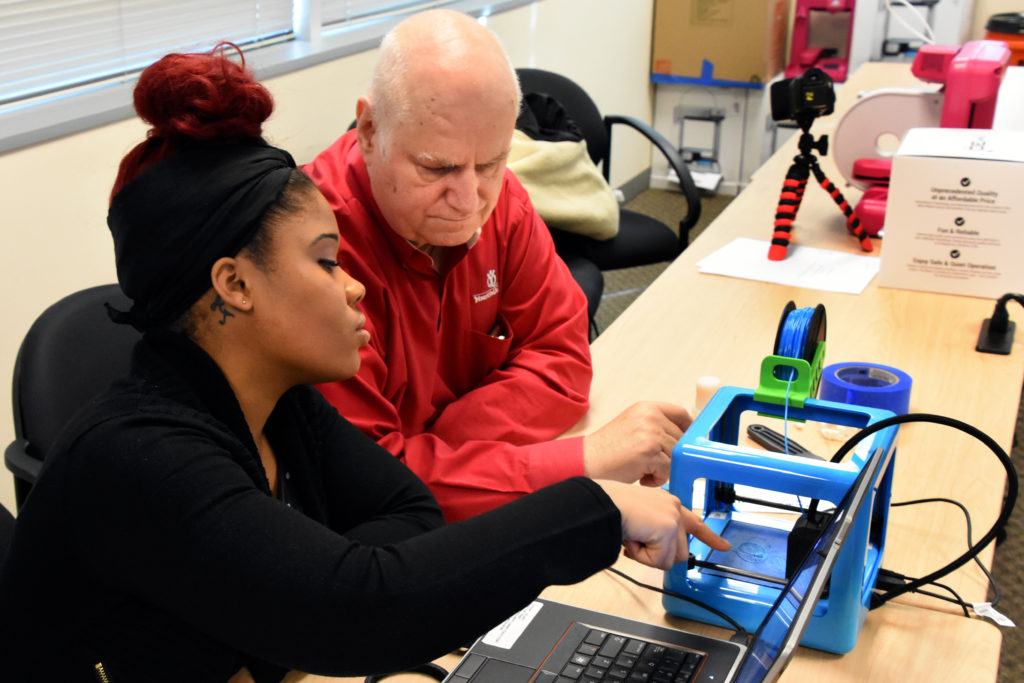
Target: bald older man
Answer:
pixel 479 354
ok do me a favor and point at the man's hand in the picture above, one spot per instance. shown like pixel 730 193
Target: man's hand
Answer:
pixel 636 445
pixel 655 525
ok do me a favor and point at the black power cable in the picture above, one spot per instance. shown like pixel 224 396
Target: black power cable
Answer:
pixel 740 631
pixel 997 594
pixel 429 669
pixel 888 579
pixel 996 334
pixel 1009 499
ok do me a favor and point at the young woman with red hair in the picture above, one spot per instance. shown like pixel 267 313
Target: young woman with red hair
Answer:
pixel 211 516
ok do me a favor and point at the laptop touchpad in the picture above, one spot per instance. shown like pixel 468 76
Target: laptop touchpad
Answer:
pixel 497 671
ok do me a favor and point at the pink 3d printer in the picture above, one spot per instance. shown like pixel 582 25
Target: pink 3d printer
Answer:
pixel 821 38
pixel 970 76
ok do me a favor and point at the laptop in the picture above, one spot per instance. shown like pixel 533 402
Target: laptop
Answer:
pixel 551 642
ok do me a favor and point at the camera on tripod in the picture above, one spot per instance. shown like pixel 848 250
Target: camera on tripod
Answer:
pixel 803 98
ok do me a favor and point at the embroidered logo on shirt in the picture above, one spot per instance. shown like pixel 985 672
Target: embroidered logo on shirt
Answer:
pixel 492 287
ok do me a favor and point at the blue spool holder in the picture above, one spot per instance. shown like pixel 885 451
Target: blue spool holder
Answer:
pixel 709 450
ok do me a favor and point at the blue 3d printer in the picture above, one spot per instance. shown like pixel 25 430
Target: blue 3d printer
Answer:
pixel 710 470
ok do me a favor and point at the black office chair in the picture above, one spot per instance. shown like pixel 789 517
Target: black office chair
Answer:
pixel 71 353
pixel 641 240
pixel 591 280
pixel 6 533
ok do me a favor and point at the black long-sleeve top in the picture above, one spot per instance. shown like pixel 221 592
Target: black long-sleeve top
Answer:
pixel 151 543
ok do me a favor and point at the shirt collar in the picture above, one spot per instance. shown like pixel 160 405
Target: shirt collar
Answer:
pixel 439 255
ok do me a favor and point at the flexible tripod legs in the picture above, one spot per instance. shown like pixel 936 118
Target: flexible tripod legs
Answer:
pixel 785 213
pixel 792 194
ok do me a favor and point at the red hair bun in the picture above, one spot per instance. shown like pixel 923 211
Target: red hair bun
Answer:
pixel 194 97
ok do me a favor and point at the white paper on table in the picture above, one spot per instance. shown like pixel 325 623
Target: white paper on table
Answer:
pixel 808 267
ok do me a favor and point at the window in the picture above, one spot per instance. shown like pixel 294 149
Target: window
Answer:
pixel 50 45
pixel 66 65
pixel 341 11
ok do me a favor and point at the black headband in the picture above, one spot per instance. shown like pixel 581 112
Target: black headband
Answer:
pixel 172 223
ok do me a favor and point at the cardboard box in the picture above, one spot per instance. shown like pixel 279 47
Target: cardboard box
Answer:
pixel 742 41
pixel 954 220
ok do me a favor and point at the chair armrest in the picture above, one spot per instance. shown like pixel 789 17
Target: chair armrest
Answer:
pixel 675 160
pixel 21 464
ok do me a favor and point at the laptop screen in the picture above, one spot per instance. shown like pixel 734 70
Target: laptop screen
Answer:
pixel 782 627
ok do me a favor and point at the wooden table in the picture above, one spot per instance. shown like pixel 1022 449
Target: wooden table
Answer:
pixel 688 324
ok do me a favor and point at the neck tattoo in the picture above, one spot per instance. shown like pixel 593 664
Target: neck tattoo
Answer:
pixel 219 305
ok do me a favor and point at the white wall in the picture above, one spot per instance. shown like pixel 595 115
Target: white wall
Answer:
pixel 983 11
pixel 54 196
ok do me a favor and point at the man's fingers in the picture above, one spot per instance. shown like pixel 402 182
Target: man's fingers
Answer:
pixel 678 415
pixel 668 442
pixel 659 465
pixel 653 479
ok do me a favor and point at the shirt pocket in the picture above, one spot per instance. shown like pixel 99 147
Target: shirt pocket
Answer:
pixel 490 351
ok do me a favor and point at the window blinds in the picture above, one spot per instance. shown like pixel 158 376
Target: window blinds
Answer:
pixel 49 45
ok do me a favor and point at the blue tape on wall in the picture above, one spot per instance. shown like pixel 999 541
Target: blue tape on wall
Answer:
pixel 866 384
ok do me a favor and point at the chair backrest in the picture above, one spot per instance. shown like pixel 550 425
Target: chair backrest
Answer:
pixel 577 103
pixel 6 533
pixel 71 353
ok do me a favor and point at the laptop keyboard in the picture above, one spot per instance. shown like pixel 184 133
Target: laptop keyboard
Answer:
pixel 605 657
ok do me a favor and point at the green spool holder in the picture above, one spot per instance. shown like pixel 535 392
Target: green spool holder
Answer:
pixel 772 389
pixel 796 377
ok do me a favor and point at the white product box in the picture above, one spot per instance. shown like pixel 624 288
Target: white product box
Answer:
pixel 954 220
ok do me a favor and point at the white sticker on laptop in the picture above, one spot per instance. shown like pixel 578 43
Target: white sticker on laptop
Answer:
pixel 505 634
